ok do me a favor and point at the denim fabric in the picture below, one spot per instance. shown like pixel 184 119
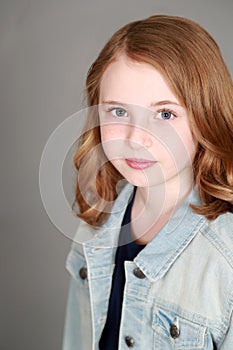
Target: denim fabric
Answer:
pixel 188 284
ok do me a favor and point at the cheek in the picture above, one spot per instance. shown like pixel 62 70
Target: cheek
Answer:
pixel 190 145
pixel 176 149
pixel 112 138
pixel 185 156
pixel 110 132
pixel 186 141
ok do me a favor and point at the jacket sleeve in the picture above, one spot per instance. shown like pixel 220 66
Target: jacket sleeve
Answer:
pixel 71 336
pixel 227 343
pixel 78 322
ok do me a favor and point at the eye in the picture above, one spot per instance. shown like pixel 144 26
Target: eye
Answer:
pixel 165 115
pixel 118 112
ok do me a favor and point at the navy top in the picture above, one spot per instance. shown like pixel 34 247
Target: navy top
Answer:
pixel 125 251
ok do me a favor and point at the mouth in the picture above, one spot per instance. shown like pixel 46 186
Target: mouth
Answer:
pixel 139 164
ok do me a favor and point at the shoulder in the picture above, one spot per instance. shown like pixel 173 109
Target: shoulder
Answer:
pixel 220 234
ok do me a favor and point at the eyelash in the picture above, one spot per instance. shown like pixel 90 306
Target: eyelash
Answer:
pixel 114 108
pixel 159 111
pixel 169 111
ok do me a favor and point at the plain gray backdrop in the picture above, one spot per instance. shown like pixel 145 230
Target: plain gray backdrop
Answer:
pixel 46 48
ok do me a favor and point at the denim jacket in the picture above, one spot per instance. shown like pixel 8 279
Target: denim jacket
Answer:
pixel 181 299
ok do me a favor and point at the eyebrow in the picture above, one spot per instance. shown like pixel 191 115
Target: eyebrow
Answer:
pixel 153 104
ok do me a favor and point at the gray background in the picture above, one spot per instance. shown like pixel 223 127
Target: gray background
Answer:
pixel 46 48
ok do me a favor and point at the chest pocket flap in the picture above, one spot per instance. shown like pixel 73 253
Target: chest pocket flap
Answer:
pixel 77 267
pixel 174 332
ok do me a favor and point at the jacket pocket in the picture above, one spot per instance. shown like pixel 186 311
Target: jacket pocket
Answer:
pixel 174 332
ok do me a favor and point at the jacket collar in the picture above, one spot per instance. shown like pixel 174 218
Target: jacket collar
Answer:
pixel 159 254
pixel 105 236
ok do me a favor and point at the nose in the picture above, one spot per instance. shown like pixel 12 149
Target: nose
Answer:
pixel 138 138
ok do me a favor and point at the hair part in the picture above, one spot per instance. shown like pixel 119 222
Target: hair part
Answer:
pixel 191 62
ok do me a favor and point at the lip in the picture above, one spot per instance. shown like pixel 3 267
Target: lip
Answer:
pixel 139 164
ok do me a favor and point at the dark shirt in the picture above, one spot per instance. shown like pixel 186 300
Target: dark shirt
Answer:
pixel 128 251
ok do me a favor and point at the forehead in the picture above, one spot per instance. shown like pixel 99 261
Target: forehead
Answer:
pixel 134 83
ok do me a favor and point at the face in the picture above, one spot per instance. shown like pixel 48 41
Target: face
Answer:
pixel 144 128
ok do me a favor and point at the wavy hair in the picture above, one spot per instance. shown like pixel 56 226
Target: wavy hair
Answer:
pixel 191 62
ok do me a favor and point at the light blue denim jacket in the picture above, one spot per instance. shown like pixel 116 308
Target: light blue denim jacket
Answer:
pixel 184 302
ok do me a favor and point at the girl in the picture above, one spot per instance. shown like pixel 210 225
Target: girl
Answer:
pixel 152 262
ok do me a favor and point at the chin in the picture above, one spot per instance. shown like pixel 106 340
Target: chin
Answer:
pixel 138 182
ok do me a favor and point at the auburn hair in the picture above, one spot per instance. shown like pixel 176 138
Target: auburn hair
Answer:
pixel 191 62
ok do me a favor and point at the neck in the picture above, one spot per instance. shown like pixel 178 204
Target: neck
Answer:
pixel 153 206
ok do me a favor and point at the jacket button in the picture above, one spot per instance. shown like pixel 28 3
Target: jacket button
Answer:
pixel 174 331
pixel 138 273
pixel 83 273
pixel 129 342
